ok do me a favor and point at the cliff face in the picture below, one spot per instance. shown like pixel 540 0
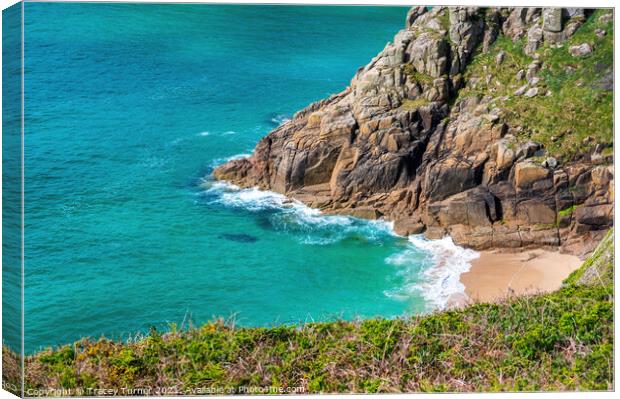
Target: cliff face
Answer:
pixel 450 130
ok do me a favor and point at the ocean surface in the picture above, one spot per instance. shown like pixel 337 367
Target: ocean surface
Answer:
pixel 128 109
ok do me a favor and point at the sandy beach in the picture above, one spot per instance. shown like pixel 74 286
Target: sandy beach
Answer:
pixel 496 275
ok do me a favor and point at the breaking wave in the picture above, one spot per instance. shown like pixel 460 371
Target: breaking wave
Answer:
pixel 432 268
pixel 307 225
pixel 219 161
pixel 429 269
pixel 280 119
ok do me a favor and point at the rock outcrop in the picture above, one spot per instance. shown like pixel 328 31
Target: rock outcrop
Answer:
pixel 400 143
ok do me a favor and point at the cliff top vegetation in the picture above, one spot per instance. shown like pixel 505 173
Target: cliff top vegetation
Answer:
pixel 556 341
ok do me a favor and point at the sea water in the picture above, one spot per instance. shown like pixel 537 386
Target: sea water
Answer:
pixel 129 107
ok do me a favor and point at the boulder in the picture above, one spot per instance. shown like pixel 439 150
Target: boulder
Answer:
pixel 540 237
pixel 534 39
pixel 602 175
pixel 429 54
pixel 500 57
pixel 533 212
pixel 475 207
pixel 575 12
pixel 408 226
pixel 527 173
pixel 527 149
pixel 478 238
pixel 580 50
pixel 506 236
pixel 403 38
pixel 599 215
pixel 448 178
pixel 532 69
pixel 550 162
pixel 521 90
pixel 552 19
pixel 413 14
pixel 505 156
pixel 515 24
pixel 606 18
pixel 364 213
pixel 466 32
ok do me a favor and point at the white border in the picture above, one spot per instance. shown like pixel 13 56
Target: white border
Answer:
pixel 497 3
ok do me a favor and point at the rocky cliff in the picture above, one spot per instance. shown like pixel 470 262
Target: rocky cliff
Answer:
pixel 491 125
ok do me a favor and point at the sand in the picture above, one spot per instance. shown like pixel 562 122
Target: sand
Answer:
pixel 497 275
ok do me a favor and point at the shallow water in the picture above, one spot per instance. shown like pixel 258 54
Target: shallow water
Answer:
pixel 128 109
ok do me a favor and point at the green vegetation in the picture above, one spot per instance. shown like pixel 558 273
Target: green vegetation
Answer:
pixel 415 103
pixel 557 341
pixel 598 268
pixel 578 111
pixel 444 20
pixel 563 216
pixel 422 79
pixel 417 76
pixel 567 211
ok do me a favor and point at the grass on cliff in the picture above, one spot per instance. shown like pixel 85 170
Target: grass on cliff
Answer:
pixel 414 104
pixel 556 341
pixel 578 112
pixel 417 76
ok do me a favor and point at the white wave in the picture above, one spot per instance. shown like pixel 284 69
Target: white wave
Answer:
pixel 438 279
pixel 308 225
pixel 208 133
pixel 427 268
pixel 237 156
pixel 280 119
pixel 219 161
pixel 252 199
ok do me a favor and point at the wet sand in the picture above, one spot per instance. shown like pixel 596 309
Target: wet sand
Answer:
pixel 497 275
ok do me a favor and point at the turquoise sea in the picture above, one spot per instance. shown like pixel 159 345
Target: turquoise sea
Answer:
pixel 128 109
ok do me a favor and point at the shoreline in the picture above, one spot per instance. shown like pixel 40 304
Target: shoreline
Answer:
pixel 496 274
pixel 492 275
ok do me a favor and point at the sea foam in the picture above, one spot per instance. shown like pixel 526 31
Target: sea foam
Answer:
pixel 308 225
pixel 220 161
pixel 280 119
pixel 438 279
pixel 428 268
